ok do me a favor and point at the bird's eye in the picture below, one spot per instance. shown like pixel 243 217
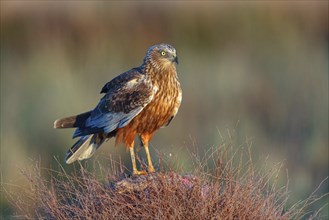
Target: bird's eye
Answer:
pixel 163 53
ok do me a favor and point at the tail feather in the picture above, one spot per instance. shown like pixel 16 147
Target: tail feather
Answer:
pixel 84 148
pixel 72 121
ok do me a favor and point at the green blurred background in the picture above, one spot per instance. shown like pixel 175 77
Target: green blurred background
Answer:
pixel 258 69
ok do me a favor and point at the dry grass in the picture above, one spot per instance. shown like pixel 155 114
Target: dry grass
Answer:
pixel 224 185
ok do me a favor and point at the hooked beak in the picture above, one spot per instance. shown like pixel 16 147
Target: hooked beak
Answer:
pixel 175 59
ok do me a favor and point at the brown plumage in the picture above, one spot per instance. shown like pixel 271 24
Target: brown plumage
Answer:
pixel 137 102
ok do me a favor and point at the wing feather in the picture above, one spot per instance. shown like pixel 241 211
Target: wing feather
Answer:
pixel 123 101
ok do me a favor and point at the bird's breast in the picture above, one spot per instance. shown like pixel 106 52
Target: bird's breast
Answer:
pixel 161 109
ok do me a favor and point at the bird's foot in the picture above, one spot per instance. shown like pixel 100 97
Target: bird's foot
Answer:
pixel 151 169
pixel 139 172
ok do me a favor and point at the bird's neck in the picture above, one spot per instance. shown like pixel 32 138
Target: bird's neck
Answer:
pixel 159 74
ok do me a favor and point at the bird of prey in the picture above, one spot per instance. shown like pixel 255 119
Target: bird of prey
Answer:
pixel 137 102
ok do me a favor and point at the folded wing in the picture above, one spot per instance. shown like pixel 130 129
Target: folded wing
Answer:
pixel 126 98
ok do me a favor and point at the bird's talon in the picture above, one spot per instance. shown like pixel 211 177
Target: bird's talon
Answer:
pixel 151 170
pixel 138 173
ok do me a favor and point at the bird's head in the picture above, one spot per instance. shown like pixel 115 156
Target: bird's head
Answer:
pixel 161 56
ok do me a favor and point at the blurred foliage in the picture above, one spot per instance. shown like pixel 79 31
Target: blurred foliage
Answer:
pixel 258 69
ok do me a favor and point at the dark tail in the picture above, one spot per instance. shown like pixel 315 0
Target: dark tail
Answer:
pixel 72 121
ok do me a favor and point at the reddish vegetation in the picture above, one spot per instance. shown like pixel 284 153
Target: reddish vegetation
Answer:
pixel 224 192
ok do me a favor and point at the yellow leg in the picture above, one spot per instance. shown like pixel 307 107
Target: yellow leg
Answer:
pixel 149 161
pixel 133 161
pixel 145 138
